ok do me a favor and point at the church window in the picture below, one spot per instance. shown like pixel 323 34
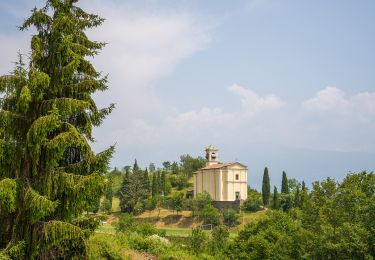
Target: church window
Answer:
pixel 237 195
pixel 237 177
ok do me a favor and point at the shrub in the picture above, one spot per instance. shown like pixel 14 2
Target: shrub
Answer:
pixel 105 246
pixel 210 215
pixel 198 203
pixel 198 240
pixel 106 206
pixel 230 217
pixel 253 202
pixel 125 223
pixel 219 241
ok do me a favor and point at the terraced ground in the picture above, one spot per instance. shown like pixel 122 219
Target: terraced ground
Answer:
pixel 178 225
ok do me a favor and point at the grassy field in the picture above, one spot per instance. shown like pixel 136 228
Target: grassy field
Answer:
pixel 106 229
pixel 178 225
pixel 177 232
pixel 116 204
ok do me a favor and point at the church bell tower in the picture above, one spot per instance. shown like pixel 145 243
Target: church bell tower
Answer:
pixel 212 155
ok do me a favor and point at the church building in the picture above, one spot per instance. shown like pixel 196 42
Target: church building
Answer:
pixel 225 182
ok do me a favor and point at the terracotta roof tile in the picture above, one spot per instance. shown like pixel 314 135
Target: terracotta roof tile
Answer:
pixel 217 166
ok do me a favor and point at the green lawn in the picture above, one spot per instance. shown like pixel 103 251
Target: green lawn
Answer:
pixel 177 232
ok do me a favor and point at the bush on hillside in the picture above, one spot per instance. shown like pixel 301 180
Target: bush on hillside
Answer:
pixel 230 217
pixel 210 215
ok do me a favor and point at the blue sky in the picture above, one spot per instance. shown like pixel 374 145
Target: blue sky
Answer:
pixel 284 84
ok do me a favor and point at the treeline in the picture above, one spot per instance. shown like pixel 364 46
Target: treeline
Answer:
pixel 146 189
pixel 335 220
pixel 292 195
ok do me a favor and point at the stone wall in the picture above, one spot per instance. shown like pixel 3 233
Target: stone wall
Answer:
pixel 227 204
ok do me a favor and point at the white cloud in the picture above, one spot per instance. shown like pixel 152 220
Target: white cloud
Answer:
pixel 332 101
pixel 205 117
pixel 144 45
pixel 252 103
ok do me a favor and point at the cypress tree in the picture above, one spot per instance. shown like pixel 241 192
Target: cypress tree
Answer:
pixel 146 181
pixel 276 200
pixel 153 189
pixel 48 173
pixel 135 166
pixel 284 184
pixel 297 198
pixel 162 182
pixel 125 187
pixel 158 183
pixel 266 189
pixel 303 186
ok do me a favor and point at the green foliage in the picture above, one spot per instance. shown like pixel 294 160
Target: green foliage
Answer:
pixel 266 188
pixel 284 184
pixel 230 217
pixel 334 221
pixel 276 199
pixel 190 164
pixel 253 202
pixel 276 237
pixel 8 193
pixel 106 205
pixel 125 223
pixel 199 202
pixel 177 201
pixel 104 246
pixel 134 191
pixel 198 241
pixel 341 217
pixel 48 173
pixel 219 241
pixel 210 215
pixel 38 206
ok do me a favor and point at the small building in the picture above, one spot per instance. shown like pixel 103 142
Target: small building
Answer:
pixel 225 182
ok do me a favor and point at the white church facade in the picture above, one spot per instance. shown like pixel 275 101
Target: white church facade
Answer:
pixel 223 181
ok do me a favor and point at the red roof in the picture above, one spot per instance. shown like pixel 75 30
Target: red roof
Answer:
pixel 217 166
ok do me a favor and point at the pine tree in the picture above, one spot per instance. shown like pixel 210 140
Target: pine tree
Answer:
pixel 266 189
pixel 276 200
pixel 48 173
pixel 284 184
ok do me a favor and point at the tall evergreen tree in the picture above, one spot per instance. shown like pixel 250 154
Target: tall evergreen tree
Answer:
pixel 133 191
pixel 266 189
pixel 135 166
pixel 276 199
pixel 158 183
pixel 297 198
pixel 303 186
pixel 146 181
pixel 125 186
pixel 163 182
pixel 48 172
pixel 154 184
pixel 284 184
pixel 152 167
